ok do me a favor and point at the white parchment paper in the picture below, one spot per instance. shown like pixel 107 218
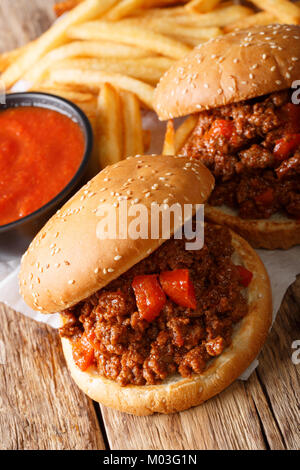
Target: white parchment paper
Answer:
pixel 282 266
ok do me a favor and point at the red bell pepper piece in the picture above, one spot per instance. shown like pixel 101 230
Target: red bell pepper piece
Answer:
pixel 245 275
pixel 179 287
pixel 222 127
pixel 83 352
pixel 285 146
pixel 150 298
pixel 265 198
pixel 91 337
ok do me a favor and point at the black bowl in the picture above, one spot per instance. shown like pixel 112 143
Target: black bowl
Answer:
pixel 30 224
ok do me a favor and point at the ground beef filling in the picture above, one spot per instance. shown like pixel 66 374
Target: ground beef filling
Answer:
pixel 253 149
pixel 131 350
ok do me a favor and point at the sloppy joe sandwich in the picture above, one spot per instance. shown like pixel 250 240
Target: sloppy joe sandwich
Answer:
pixel 148 325
pixel 242 87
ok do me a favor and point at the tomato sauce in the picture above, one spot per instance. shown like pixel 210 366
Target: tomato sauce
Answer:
pixel 40 151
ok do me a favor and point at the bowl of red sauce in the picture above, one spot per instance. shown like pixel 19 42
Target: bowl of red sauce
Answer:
pixel 45 145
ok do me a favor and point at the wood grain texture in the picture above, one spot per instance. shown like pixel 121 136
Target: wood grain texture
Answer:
pixel 41 407
pixel 278 375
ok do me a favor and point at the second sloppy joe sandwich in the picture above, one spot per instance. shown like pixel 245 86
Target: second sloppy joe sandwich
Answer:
pixel 241 90
pixel 148 325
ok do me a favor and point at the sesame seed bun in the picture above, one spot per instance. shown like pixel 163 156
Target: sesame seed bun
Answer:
pixel 178 393
pixel 69 260
pixel 234 67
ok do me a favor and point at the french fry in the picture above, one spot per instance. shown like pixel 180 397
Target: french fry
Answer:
pixel 128 7
pixel 261 18
pixel 83 49
pixel 222 16
pixel 55 36
pixel 162 3
pixel 133 131
pixel 93 79
pixel 161 12
pixel 171 27
pixel 202 6
pixel 123 8
pixel 67 5
pixel 183 132
pixel 155 42
pixel 86 101
pixel 169 142
pixel 142 69
pixel 7 58
pixel 71 95
pixel 284 10
pixel 109 129
pixel 192 42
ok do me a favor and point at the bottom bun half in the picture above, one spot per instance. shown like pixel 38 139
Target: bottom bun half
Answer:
pixel 178 393
pixel 278 232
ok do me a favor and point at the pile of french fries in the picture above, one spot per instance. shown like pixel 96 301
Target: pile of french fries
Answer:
pixel 108 55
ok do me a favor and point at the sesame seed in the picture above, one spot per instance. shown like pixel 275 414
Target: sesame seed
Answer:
pixel 104 271
pixel 117 258
pixel 71 281
pixel 110 270
pixel 96 270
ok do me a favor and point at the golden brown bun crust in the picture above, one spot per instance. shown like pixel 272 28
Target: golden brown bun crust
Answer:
pixel 182 393
pixel 278 232
pixel 231 68
pixel 67 262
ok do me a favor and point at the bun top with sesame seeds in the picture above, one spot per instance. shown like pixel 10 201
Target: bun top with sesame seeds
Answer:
pixel 72 256
pixel 230 68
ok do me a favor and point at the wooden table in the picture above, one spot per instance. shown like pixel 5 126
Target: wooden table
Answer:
pixel 41 408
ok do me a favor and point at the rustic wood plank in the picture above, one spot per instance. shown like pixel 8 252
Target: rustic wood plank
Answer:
pixel 279 377
pixel 228 421
pixel 41 407
pixel 22 21
pixel 269 425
